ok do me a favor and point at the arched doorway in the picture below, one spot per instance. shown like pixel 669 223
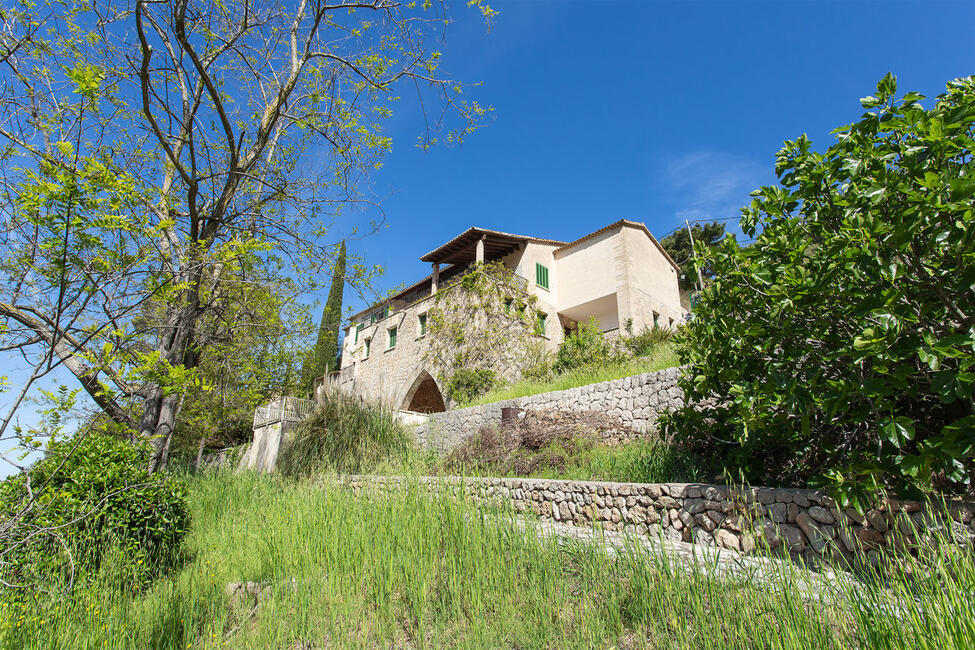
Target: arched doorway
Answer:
pixel 424 395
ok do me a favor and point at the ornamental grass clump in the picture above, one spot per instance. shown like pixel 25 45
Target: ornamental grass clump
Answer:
pixel 346 435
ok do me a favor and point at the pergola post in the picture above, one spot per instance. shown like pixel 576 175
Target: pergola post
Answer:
pixel 479 251
pixel 435 278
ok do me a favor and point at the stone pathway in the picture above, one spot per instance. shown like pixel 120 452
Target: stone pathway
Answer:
pixel 709 561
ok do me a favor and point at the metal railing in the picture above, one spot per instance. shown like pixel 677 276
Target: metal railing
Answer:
pixel 283 409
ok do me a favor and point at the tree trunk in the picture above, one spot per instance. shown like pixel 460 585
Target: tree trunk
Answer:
pixel 199 455
pixel 160 407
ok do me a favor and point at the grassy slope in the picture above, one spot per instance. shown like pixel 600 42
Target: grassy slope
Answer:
pixel 663 356
pixel 415 571
pixel 640 461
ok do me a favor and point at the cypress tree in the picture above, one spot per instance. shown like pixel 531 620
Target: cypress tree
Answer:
pixel 321 357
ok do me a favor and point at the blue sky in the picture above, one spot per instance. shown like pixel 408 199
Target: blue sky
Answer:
pixel 650 111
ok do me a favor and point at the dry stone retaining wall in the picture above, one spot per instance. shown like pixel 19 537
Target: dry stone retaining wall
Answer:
pixel 636 401
pixel 806 523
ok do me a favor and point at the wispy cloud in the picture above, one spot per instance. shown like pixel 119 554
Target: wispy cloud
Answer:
pixel 710 184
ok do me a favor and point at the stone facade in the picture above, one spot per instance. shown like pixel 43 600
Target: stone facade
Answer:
pixel 636 401
pixel 805 523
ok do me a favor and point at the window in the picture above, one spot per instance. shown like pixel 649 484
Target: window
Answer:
pixel 392 337
pixel 373 317
pixel 423 324
pixel 507 304
pixel 368 345
pixel 541 323
pixel 541 275
pixel 656 320
pixel 358 330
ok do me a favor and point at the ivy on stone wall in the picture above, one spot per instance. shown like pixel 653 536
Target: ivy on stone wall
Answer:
pixel 483 322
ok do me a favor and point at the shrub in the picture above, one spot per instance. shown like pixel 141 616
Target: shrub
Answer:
pixel 838 347
pixel 585 346
pixel 466 384
pixel 570 445
pixel 96 508
pixel 648 340
pixel 345 435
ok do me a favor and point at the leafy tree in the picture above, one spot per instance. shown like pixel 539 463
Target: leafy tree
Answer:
pixel 152 149
pixel 321 358
pixel 678 246
pixel 839 348
pixel 247 355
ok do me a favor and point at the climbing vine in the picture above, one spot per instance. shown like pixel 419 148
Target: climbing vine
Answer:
pixel 484 323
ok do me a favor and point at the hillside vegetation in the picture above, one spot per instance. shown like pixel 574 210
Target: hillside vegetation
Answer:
pixel 587 357
pixel 276 564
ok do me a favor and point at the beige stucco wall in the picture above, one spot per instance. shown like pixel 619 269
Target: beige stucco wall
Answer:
pixel 650 283
pixel 522 263
pixel 590 273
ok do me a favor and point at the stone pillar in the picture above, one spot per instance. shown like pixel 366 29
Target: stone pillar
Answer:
pixel 479 254
pixel 435 278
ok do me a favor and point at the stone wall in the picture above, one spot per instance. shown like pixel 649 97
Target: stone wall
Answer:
pixel 806 523
pixel 636 401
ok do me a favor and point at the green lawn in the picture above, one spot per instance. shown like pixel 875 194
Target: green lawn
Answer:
pixel 662 356
pixel 413 570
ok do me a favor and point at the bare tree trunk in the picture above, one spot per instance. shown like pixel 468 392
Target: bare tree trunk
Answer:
pixel 161 407
pixel 199 455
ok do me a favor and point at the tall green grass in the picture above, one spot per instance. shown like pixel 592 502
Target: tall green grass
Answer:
pixel 661 356
pixel 639 461
pixel 416 570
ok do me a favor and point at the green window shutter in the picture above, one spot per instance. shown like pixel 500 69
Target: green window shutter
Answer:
pixel 423 324
pixel 368 345
pixel 358 330
pixel 541 275
pixel 541 324
pixel 372 318
pixel 392 337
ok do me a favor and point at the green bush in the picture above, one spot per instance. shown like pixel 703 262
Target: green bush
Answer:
pixel 648 340
pixel 346 435
pixel 839 347
pixel 97 509
pixel 587 345
pixel 466 384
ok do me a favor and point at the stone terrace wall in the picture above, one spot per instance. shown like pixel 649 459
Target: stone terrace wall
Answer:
pixel 636 401
pixel 806 523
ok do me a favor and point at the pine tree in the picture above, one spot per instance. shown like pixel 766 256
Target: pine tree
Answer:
pixel 321 357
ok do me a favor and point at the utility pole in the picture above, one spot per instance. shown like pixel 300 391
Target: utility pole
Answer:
pixel 700 278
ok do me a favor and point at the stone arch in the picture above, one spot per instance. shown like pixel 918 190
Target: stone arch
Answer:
pixel 424 395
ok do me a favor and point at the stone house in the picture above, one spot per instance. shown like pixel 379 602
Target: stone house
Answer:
pixel 618 275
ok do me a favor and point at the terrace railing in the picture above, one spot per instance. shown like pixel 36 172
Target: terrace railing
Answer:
pixel 283 409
